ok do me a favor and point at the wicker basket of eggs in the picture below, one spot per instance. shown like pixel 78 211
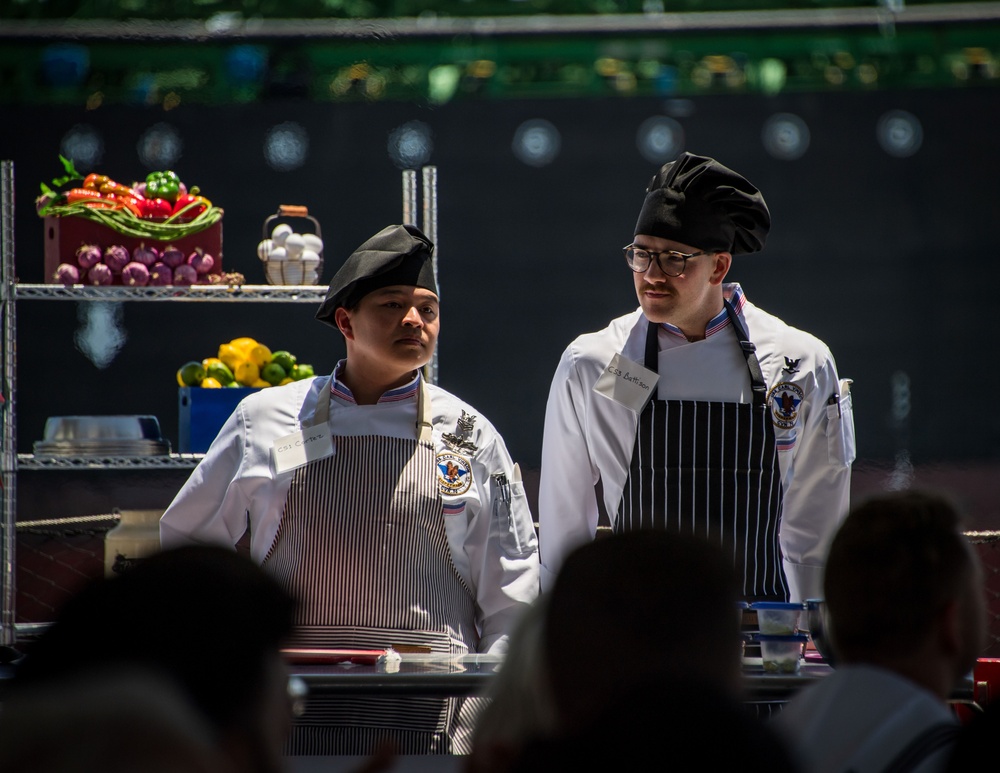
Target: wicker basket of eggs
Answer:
pixel 291 257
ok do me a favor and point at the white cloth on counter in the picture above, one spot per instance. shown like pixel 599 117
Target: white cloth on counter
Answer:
pixel 861 718
pixel 589 438
pixel 234 485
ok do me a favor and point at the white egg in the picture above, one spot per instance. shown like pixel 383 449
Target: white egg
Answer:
pixel 278 254
pixel 264 249
pixel 313 242
pixel 280 233
pixel 294 244
pixel 310 278
pixel 309 259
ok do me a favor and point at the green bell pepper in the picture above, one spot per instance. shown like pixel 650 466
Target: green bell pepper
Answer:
pixel 163 185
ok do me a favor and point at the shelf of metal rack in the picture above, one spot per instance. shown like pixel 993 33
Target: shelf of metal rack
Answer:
pixel 173 293
pixel 160 462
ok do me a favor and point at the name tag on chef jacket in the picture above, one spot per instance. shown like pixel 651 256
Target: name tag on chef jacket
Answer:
pixel 627 383
pixel 307 445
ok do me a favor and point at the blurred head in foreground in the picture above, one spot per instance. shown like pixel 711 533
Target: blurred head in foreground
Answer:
pixel 643 605
pixel 204 619
pixel 904 590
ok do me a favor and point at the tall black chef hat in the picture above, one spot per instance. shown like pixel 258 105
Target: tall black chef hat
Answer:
pixel 397 255
pixel 695 200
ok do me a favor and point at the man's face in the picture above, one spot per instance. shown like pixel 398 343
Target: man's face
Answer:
pixel 395 327
pixel 682 299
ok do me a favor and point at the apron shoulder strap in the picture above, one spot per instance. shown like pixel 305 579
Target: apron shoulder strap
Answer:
pixel 757 383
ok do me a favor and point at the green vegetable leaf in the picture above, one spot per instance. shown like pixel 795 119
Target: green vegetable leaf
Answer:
pixel 71 174
pixel 47 190
pixel 70 168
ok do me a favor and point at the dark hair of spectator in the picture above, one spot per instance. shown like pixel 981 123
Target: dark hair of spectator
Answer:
pixel 629 607
pixel 910 542
pixel 204 617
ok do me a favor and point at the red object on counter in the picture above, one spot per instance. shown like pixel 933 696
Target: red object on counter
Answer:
pixel 65 235
pixel 326 657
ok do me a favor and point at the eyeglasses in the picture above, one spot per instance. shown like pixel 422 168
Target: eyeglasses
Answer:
pixel 670 262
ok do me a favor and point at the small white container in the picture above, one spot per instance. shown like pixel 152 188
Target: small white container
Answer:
pixel 777 618
pixel 136 536
pixel 781 654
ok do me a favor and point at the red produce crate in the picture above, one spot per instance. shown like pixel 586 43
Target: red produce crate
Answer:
pixel 65 235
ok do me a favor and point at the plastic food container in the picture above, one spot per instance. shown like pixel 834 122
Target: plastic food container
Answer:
pixel 781 654
pixel 777 618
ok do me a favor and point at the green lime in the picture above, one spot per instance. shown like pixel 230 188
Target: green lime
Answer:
pixel 273 373
pixel 285 359
pixel 220 372
pixel 191 373
pixel 300 372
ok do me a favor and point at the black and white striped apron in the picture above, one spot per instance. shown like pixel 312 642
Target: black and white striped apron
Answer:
pixel 711 469
pixel 362 545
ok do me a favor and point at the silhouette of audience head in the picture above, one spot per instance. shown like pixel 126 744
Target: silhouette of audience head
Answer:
pixel 904 591
pixel 207 620
pixel 633 607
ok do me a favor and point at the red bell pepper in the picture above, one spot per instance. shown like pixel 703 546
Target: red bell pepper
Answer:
pixel 190 205
pixel 155 208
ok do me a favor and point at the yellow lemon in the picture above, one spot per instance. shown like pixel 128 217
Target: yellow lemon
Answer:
pixel 231 356
pixel 287 380
pixel 210 383
pixel 260 355
pixel 244 344
pixel 247 373
pixel 260 383
pixel 209 362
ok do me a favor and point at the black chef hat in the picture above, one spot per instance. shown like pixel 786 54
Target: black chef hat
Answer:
pixel 397 255
pixel 695 200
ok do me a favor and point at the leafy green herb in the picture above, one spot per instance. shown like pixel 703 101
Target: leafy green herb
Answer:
pixel 71 175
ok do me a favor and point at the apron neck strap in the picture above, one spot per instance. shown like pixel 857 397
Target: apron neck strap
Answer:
pixel 757 383
pixel 321 415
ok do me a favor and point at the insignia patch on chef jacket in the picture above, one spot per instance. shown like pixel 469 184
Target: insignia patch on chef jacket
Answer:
pixel 785 399
pixel 454 474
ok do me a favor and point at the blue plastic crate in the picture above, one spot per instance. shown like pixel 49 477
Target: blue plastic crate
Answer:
pixel 202 412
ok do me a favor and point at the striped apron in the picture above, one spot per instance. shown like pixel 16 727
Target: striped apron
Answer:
pixel 711 469
pixel 362 545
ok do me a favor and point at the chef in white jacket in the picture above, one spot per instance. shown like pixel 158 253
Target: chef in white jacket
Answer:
pixel 699 411
pixel 388 506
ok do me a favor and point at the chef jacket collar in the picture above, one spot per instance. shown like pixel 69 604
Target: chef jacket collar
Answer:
pixel 733 293
pixel 342 393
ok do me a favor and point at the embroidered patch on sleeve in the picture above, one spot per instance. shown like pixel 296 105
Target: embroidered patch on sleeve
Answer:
pixel 785 399
pixel 454 474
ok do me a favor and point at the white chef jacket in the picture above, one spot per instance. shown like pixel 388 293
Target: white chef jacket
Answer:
pixel 496 555
pixel 589 437
pixel 859 718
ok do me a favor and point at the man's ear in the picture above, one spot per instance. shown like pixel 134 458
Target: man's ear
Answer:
pixel 343 319
pixel 723 260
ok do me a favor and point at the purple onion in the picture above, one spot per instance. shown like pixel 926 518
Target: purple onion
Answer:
pixel 66 274
pixel 172 256
pixel 185 275
pixel 140 188
pixel 99 274
pixel 145 255
pixel 201 261
pixel 88 255
pixel 116 258
pixel 135 275
pixel 161 274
